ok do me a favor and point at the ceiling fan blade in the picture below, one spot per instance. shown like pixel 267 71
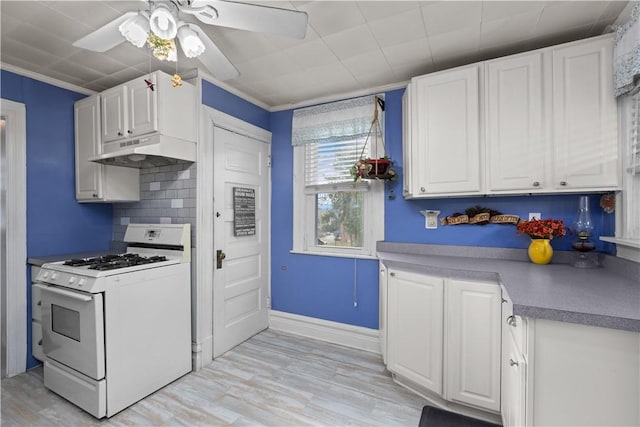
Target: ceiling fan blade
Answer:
pixel 251 17
pixel 105 37
pixel 213 59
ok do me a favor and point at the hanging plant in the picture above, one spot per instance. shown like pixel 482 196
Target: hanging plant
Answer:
pixel 373 167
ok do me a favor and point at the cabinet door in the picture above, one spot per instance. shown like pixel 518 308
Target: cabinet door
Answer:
pixel 516 149
pixel 473 343
pixel 382 314
pixel 113 114
pixel 584 117
pixel 415 322
pixel 142 113
pixel 87 144
pixel 513 382
pixel 446 143
pixel 409 169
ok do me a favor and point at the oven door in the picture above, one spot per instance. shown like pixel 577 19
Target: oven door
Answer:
pixel 73 329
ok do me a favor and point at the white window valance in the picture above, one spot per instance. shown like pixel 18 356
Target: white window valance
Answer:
pixel 626 53
pixel 333 122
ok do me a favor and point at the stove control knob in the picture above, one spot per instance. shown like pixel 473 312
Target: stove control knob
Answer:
pixel 82 282
pixel 71 280
pixel 45 275
pixel 53 276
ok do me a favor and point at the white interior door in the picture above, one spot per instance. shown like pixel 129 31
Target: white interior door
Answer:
pixel 241 234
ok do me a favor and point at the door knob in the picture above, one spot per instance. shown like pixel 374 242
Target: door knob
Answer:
pixel 513 362
pixel 219 257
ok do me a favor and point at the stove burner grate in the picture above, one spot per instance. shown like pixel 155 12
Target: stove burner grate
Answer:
pixel 112 262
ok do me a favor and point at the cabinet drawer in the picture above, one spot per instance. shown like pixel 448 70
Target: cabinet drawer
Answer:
pixel 36 301
pixel 36 340
pixel 513 323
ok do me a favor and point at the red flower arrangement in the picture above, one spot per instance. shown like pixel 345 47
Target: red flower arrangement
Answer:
pixel 542 228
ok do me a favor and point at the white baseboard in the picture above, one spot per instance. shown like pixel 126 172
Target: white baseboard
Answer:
pixel 325 330
pixel 202 353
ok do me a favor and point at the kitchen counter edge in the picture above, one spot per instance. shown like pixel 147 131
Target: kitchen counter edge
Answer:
pixel 607 297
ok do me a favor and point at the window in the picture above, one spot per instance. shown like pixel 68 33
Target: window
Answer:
pixel 332 215
pixel 627 237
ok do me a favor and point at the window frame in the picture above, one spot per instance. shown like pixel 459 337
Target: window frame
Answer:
pixel 304 213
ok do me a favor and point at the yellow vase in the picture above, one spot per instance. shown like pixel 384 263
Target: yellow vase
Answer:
pixel 540 251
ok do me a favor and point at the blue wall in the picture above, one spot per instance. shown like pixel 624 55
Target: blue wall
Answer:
pixel 56 223
pixel 231 104
pixel 322 287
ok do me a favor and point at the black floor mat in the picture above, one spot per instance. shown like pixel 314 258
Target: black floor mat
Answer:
pixel 435 417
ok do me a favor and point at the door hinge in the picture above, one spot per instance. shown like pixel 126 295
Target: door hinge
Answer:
pixel 269 160
pixel 268 302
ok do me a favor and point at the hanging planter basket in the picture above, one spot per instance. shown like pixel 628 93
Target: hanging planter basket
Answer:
pixel 380 168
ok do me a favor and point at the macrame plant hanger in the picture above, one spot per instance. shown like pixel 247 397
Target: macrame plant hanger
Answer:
pixel 376 169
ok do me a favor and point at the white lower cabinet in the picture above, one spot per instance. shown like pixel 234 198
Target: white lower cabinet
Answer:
pixel 514 367
pixel 415 322
pixel 443 337
pixel 473 343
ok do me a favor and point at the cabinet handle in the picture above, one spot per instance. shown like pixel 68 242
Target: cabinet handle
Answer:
pixel 94 195
pixel 536 183
pixel 511 321
pixel 120 134
pixel 563 183
pixel 503 300
pixel 422 189
pixel 39 303
pixel 129 132
pixel 40 342
pixel 513 362
pixel 392 274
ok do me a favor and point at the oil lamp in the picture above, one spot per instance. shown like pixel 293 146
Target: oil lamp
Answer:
pixel 583 226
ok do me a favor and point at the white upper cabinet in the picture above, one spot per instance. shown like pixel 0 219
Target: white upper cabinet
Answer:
pixel 133 109
pixel 585 137
pixel 515 140
pixel 96 182
pixel 446 138
pixel 539 122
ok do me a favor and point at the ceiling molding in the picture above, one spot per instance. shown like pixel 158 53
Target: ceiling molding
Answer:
pixel 340 97
pixel 45 79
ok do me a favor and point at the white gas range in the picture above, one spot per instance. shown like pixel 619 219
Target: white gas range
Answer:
pixel 118 327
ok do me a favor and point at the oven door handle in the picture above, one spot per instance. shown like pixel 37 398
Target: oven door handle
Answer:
pixel 74 295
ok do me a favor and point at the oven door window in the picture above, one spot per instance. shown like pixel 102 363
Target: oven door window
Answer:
pixel 65 322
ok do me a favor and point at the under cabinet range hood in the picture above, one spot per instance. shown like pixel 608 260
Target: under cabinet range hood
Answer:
pixel 150 151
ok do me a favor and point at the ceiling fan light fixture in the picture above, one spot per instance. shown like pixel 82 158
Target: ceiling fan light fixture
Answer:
pixel 163 23
pixel 135 30
pixel 191 44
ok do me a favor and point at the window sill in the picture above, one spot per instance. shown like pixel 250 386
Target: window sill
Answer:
pixel 625 248
pixel 334 255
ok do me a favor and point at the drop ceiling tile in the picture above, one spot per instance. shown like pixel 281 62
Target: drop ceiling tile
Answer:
pixel 127 74
pixel 374 10
pixel 76 70
pixel 369 63
pixel 455 44
pixel 311 54
pixel 26 53
pixel 499 10
pixel 91 13
pixel 126 5
pixel 21 63
pixel 326 74
pixel 508 31
pixel 561 36
pixel 96 61
pixel 375 79
pixel 445 17
pixel 65 77
pixel 44 40
pixel 332 17
pixel 613 10
pixel 126 53
pixel 415 51
pixel 8 23
pixel 55 22
pixel 240 46
pixel 277 63
pixel 352 42
pixel 398 28
pixel 407 72
pixel 556 17
pixel 19 10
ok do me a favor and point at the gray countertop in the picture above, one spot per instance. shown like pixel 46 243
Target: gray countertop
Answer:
pixel 608 296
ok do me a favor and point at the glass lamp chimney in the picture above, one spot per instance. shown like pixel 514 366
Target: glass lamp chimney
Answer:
pixel 583 223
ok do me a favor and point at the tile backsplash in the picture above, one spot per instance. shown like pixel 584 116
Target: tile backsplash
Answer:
pixel 167 196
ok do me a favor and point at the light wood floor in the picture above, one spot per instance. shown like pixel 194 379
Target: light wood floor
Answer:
pixel 272 379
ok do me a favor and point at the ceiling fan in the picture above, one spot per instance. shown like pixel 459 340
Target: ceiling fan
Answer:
pixel 160 26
